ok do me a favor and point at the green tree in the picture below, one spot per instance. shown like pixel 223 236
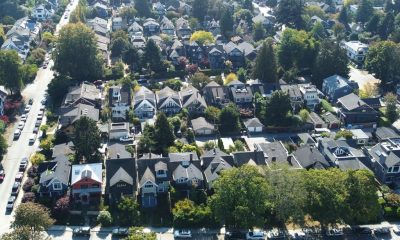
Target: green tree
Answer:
pixel 265 67
pixel 271 3
pixel 37 159
pixel 2 35
pixel 3 147
pixel 199 80
pixel 220 144
pixel 77 38
pixel 131 57
pixel 187 214
pixel 386 26
pixel 104 218
pixel 226 23
pixel 240 197
pixel 119 45
pixel 164 134
pixel 364 11
pixel 391 109
pixel 289 12
pixel 136 233
pixel 374 23
pixel 147 141
pixel 258 31
pixel 57 88
pixel 304 114
pixel 128 13
pixel 32 216
pixel 152 56
pixel 10 70
pixel 277 108
pixel 212 114
pixel 318 31
pixel 202 37
pixel 343 16
pixel 331 60
pixel 28 73
pixel 143 8
pixel 242 75
pixel 86 138
pixel 23 233
pixel 37 56
pixel 209 145
pixel 229 119
pixel 199 9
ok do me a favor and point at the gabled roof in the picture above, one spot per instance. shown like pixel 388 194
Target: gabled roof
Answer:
pixel 118 150
pixel 276 153
pixel 212 84
pixel 144 94
pixel 135 27
pixel 190 95
pixel 201 123
pixel 121 176
pixel 351 102
pixel 70 114
pixel 165 94
pixel 188 172
pixel 252 157
pixel 336 81
pixel 92 171
pixel 124 93
pixel 63 149
pixel 253 122
pixel 57 169
pixel 384 133
pixel 147 176
pixel 310 157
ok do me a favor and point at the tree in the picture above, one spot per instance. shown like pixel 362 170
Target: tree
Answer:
pixel 87 138
pixel 331 60
pixel 32 216
pixel 258 31
pixel 61 208
pixel 143 8
pixel 136 233
pixel 368 90
pixel 343 16
pixel 391 110
pixel 10 70
pixel 37 158
pixel 37 56
pixel 2 35
pixel 271 3
pixel 152 56
pixel 304 114
pixel 3 147
pixel 229 119
pixel 265 67
pixel 277 108
pixel 128 13
pixel 199 9
pixel 202 37
pixel 241 74
pixel 104 218
pixel 318 31
pixel 239 146
pixel 129 213
pixel 164 135
pixel 77 38
pixel 289 12
pixel 344 134
pixel 373 24
pixel 23 233
pixel 364 11
pixel 199 80
pixel 131 57
pixel 386 26
pixel 230 78
pixel 118 46
pixel 209 145
pixel 187 214
pixel 383 60
pixel 147 141
pixel 226 23
pixel 240 197
pixel 28 73
pixel 212 114
pixel 57 88
pixel 220 144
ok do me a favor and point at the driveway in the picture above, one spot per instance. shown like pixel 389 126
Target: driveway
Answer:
pixel 362 77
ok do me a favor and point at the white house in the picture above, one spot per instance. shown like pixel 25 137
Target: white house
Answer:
pixel 118 130
pixel 119 101
pixel 144 103
pixel 310 95
pixel 3 96
pixel 253 125
pixel 41 13
pixel 356 50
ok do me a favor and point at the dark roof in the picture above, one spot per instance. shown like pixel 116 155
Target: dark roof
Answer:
pixel 116 149
pixel 121 169
pixel 383 133
pixel 315 118
pixel 310 157
pixel 200 123
pixel 72 113
pixel 215 155
pixel 63 149
pixel 351 164
pixel 124 95
pixel 180 157
pixel 148 165
pixel 373 102
pixel 275 152
pixel 351 102
pixel 59 168
pixel 251 157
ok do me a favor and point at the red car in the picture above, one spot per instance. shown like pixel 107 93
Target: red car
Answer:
pixel 2 175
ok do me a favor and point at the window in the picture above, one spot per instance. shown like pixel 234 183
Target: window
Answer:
pixel 84 186
pixel 161 172
pixel 148 185
pixel 95 185
pixel 57 186
pixel 181 180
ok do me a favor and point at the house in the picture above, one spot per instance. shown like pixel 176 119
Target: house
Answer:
pixel 153 177
pixel 192 100
pixel 253 125
pixel 18 45
pixel 310 95
pixel 213 162
pixel 315 120
pixel 3 96
pixel 385 160
pixel 134 29
pixel 54 177
pixel 356 51
pixel 86 183
pixel 335 87
pixel 138 41
pixel 194 52
pixel 159 8
pixel 167 27
pixel 215 94
pixel 151 27
pixel 183 28
pixel 144 103
pixel 70 114
pixel 355 112
pixel 296 97
pixel 248 50
pixel 120 173
pixel 118 130
pixel 42 13
pixel 101 9
pixel 310 158
pixel 97 21
pixel 216 59
pixel 202 127
pixel 117 23
pixel 213 27
pixel 185 170
pixel 168 101
pixel 384 133
pixel 265 21
pixel 63 149
pixel 374 102
pixel 119 100
pixel 242 96
pixel 254 158
pixel 234 54
pixel 331 120
pixel 86 93
pixel 276 154
pixel 360 137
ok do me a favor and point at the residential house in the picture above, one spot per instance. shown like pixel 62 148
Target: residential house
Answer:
pixel 276 154
pixel 332 122
pixel 192 100
pixel 194 52
pixel 159 8
pixel 118 130
pixel 253 125
pixel 234 54
pixel 86 93
pixel 183 29
pixel 310 95
pixel 355 112
pixel 86 183
pixel 138 41
pixel 360 137
pixel 63 149
pixel 54 177
pixel 185 169
pixel 144 103
pixel 310 158
pixel 41 13
pixel 213 27
pixel 168 101
pixel 216 59
pixel 384 133
pixel 356 51
pixel 101 10
pixel 374 102
pixel 119 100
pixel 3 96
pixel 72 113
pixel 248 50
pixel 213 162
pixel 135 29
pixel 315 120
pixel 296 97
pixel 241 94
pixel 254 158
pixel 385 160
pixel 151 27
pixel 335 87
pixel 215 94
pixel 264 20
pixel 202 127
pixel 153 178
pixel 121 173
pixel 118 24
pixel 167 27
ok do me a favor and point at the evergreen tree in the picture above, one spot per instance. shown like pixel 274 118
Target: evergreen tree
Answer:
pixel 152 56
pixel 164 135
pixel 199 9
pixel 229 119
pixel 265 67
pixel 87 138
pixel 10 70
pixel 343 16
pixel 226 23
pixel 258 31
pixel 248 4
pixel 289 12
pixel 387 26
pixel 365 11
pixel 143 8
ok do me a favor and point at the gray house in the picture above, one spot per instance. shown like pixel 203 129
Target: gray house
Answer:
pixel 213 162
pixel 335 87
pixel 54 177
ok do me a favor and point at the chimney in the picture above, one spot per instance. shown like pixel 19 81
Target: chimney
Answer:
pixel 191 157
pixel 273 159
pixel 289 159
pixel 215 151
pixel 118 155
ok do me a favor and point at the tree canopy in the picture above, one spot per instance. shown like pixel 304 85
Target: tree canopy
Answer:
pixel 289 12
pixel 199 9
pixel 164 135
pixel 86 138
pixel 202 37
pixel 143 8
pixel 265 67
pixel 10 70
pixel 229 119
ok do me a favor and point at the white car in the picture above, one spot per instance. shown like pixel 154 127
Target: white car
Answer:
pixel 24 117
pixel 17 133
pixel 40 116
pixel 32 139
pixel 27 108
pixel 21 125
pixel 255 235
pixel 182 234
pixel 126 138
pixel 396 229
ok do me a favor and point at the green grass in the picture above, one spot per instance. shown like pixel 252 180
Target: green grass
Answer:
pixel 384 122
pixel 327 106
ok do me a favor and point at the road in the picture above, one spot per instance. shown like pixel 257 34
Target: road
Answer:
pixel 20 148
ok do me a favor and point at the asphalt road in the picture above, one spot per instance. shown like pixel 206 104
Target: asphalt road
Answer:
pixel 20 148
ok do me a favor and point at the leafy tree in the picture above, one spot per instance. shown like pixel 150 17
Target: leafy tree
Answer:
pixel 10 70
pixel 240 197
pixel 87 138
pixel 37 158
pixel 318 31
pixel 373 24
pixel 304 114
pixel 364 11
pixel 368 90
pixel 199 9
pixel 331 59
pixel 147 141
pixel 77 38
pixel 230 78
pixel 277 108
pixel 174 84
pixel 289 12
pixel 136 233
pixel 37 56
pixel 344 134
pixel 128 13
pixel 258 31
pixel 3 147
pixel 209 145
pixel 248 4
pixel 57 88
pixel 265 67
pixel 23 233
pixel 314 10
pixel 271 3
pixel 386 26
pixel 202 37
pixel 220 144
pixel 119 45
pixel 229 119
pixel 131 57
pixel 32 216
pixel 391 110
pixel 61 208
pixel 164 135
pixel 28 73
pixel 226 23
pixel 239 146
pixel 199 80
pixel 241 74
pixel 143 8
pixel 187 214
pixel 152 56
pixel 212 114
pixel 2 35
pixel 104 218
pixel 343 16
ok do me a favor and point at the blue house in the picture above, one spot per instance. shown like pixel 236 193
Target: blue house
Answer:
pixel 54 177
pixel 216 59
pixel 335 87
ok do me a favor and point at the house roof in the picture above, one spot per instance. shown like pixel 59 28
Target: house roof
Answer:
pixel 383 133
pixel 188 172
pixel 120 169
pixel 315 118
pixel 180 157
pixel 214 168
pixel 123 92
pixel 293 90
pixel 351 164
pixel 115 149
pixel 310 157
pixel 336 81
pixel 191 95
pixel 201 123
pixel 275 152
pixel 63 149
pixel 253 122
pixel 351 102
pixel 148 165
pixel 85 91
pixel 252 157
pixel 148 175
pixel 144 94
pixel 166 93
pixel 57 169
pixel 92 171
pixel 70 114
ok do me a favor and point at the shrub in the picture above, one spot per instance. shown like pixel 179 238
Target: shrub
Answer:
pixel 35 188
pixel 104 218
pixel 28 185
pixel 388 211
pixel 381 201
pixel 32 172
pixel 28 197
pixel 37 158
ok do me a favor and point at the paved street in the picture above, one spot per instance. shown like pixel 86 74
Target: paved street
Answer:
pixel 20 148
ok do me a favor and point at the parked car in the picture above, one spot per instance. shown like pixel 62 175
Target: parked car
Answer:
pixel 35 130
pixel 234 235
pixel 19 176
pixel 37 123
pixel 362 230
pixel 21 125
pixel 39 116
pixel 15 188
pixel 81 231
pixel 32 139
pixel 17 133
pixel 255 235
pixel 127 138
pixel 30 101
pixel 2 175
pixel 298 236
pixel 24 117
pixel 334 232
pixel 27 108
pixel 182 234
pixel 120 232
pixel 23 164
pixel 382 231
pixel 42 107
pixel 396 229
pixel 10 203
pixel 276 234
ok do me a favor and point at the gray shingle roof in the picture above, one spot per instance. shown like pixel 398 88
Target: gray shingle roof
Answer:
pixel 59 168
pixel 253 122
pixel 310 157
pixel 200 123
pixel 351 102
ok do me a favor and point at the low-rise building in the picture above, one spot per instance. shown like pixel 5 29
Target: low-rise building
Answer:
pixel 86 183
pixel 54 177
pixel 355 112
pixel 202 127
pixel 119 101
pixel 356 51
pixel 253 125
pixel 118 130
pixel 168 101
pixel 144 103
pixel 335 87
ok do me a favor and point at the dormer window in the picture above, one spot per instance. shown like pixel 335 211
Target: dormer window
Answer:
pixel 394 169
pixel 57 186
pixel 185 163
pixel 148 185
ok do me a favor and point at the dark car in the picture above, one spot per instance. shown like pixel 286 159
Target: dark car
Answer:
pixel 30 101
pixel 382 231
pixel 362 230
pixel 234 235
pixel 15 188
pixel 36 130
pixel 23 164
pixel 10 203
pixel 81 231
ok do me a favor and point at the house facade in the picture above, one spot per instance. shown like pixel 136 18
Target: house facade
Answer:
pixel 119 98
pixel 335 87
pixel 168 101
pixel 54 177
pixel 356 51
pixel 355 112
pixel 144 103
pixel 86 183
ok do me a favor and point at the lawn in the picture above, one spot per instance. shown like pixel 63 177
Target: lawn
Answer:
pixel 327 106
